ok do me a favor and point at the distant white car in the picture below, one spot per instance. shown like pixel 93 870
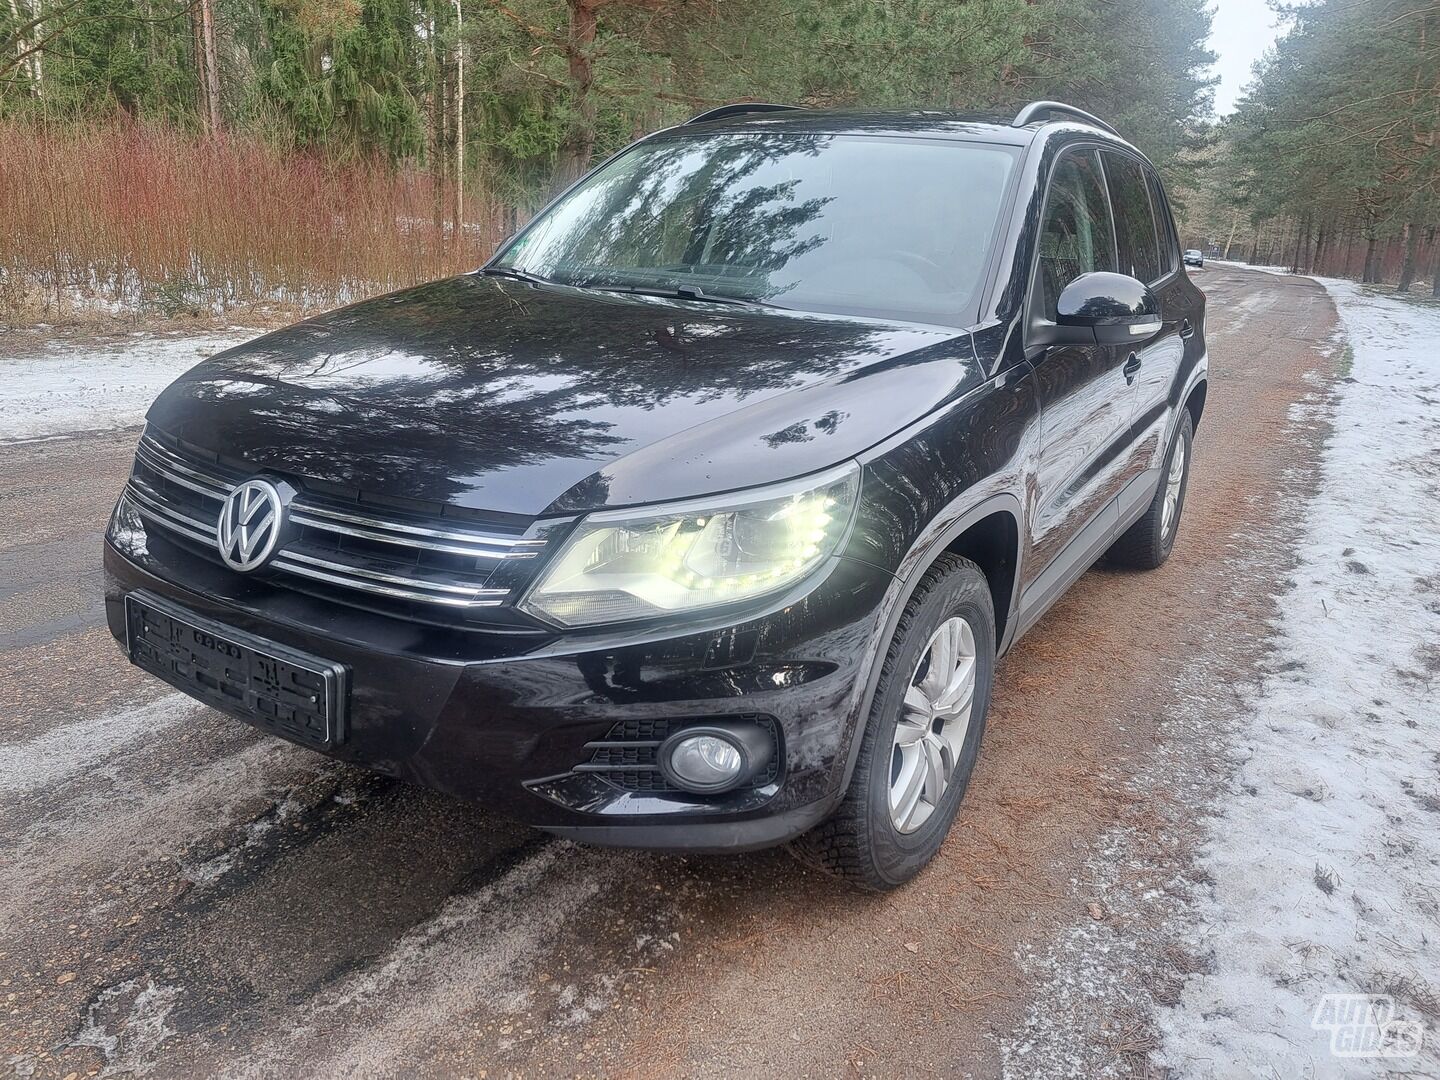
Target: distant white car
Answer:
pixel 1194 258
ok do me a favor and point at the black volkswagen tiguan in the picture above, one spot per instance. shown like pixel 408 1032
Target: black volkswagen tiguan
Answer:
pixel 698 517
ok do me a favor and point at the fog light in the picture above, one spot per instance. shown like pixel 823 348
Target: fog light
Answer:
pixel 715 758
pixel 706 761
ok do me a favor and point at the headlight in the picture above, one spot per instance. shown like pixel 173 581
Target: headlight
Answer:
pixel 638 564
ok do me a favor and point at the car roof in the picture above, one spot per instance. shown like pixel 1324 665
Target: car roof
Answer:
pixel 990 127
pixel 931 123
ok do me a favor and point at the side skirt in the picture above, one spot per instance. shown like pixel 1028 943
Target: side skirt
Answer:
pixel 1084 551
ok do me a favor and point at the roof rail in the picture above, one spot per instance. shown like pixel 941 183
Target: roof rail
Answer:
pixel 1037 110
pixel 738 109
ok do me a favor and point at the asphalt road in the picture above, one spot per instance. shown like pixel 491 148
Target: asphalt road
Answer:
pixel 180 895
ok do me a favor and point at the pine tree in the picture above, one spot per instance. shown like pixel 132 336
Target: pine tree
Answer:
pixel 1339 130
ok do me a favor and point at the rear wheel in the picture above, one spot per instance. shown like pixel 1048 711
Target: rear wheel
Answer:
pixel 922 736
pixel 1147 543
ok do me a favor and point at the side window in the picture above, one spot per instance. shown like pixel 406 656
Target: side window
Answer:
pixel 1169 242
pixel 1134 221
pixel 1075 237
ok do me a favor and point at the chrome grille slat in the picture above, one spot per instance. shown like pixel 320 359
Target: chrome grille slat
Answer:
pixel 156 458
pixel 416 530
pixel 150 503
pixel 290 567
pixel 466 591
pixel 406 562
pixel 306 517
pixel 155 519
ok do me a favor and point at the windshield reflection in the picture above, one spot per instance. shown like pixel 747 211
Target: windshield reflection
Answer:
pixel 887 227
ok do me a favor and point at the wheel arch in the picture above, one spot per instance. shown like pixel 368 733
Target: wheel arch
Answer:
pixel 981 530
pixel 993 544
pixel 1195 401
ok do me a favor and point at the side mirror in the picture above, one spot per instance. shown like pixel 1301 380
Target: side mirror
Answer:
pixel 1105 309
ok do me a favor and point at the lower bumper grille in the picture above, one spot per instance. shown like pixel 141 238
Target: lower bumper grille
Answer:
pixel 627 756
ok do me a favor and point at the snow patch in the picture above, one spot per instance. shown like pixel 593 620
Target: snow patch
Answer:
pixel 90 388
pixel 1279 271
pixel 66 751
pixel 1325 854
pixel 127 1024
pixel 118 814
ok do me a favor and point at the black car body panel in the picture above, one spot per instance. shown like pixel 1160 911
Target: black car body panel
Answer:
pixel 571 384
pixel 520 407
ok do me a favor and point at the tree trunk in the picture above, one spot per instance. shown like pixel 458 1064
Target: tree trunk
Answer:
pixel 437 139
pixel 1435 270
pixel 458 214
pixel 1367 276
pixel 211 64
pixel 1302 240
pixel 580 141
pixel 35 62
pixel 1317 259
pixel 1234 224
pixel 202 89
pixel 25 64
pixel 1412 252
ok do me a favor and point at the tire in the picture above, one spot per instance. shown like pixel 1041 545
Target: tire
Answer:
pixel 1147 543
pixel 862 842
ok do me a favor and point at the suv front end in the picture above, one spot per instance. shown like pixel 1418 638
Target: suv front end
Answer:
pixel 462 673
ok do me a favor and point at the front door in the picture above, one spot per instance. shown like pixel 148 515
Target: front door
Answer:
pixel 1148 252
pixel 1086 397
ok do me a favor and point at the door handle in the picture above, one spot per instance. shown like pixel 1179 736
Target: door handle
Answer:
pixel 1187 330
pixel 1131 369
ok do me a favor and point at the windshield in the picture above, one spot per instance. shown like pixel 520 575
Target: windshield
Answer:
pixel 892 228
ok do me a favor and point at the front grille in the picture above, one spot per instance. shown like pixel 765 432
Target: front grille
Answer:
pixel 626 756
pixel 342 548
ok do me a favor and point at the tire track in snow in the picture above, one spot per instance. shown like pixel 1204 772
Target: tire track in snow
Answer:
pixel 61 754
pixel 474 959
pixel 117 817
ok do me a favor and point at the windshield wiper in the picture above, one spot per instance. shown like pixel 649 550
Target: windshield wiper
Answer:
pixel 678 292
pixel 518 275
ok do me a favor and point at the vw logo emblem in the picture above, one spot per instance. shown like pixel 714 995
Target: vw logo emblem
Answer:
pixel 250 525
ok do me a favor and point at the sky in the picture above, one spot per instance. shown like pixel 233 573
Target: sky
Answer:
pixel 1241 31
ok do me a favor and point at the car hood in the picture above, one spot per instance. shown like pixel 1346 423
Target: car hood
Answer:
pixel 488 393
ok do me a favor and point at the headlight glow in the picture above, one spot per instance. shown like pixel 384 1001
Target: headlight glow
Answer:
pixel 622 565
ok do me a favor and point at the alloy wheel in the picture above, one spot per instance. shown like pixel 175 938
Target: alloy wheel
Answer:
pixel 1172 488
pixel 934 720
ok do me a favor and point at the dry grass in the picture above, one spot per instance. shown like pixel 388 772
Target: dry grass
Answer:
pixel 144 218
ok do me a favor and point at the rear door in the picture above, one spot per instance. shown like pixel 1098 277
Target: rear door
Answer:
pixel 1149 251
pixel 1085 398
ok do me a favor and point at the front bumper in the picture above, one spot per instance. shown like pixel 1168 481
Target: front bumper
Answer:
pixel 504 721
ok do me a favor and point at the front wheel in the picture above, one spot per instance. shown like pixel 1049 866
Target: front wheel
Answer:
pixel 921 738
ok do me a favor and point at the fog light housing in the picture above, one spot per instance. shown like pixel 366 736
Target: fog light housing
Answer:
pixel 715 758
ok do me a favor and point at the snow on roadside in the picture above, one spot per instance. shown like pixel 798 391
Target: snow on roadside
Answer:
pixel 1235 264
pixel 87 388
pixel 1325 852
